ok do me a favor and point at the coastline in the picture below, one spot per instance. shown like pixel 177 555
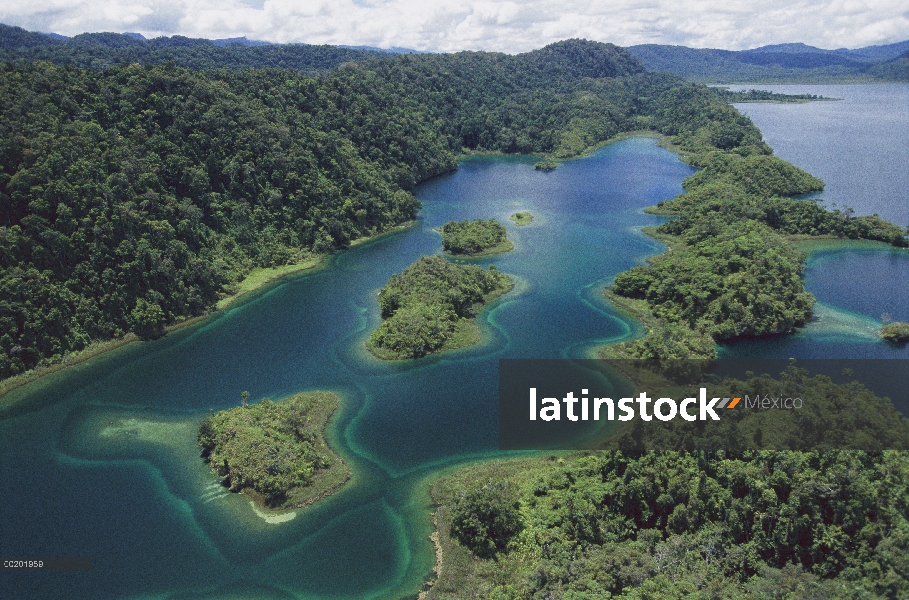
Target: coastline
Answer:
pixel 254 280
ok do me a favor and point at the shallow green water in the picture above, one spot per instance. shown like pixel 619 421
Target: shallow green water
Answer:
pixel 100 460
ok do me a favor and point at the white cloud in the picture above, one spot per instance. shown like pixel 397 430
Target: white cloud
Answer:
pixel 501 25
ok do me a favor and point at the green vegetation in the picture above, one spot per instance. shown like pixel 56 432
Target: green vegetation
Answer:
pixel 475 238
pixel 136 197
pixel 833 417
pixel 522 218
pixel 727 281
pixel 101 51
pixel 429 307
pixel 275 451
pixel 766 96
pixel 675 524
pixel 260 276
pixel 896 69
pixel 545 165
pixel 730 272
pixel 896 333
pixel 782 63
pixel 485 518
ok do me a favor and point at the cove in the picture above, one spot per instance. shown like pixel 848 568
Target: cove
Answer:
pixel 100 460
pixel 858 147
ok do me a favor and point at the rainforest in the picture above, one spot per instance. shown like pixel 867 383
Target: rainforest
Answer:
pixel 140 186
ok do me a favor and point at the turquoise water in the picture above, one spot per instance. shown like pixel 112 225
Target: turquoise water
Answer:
pixel 99 460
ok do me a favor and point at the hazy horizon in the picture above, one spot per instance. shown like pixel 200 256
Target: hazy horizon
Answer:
pixel 492 25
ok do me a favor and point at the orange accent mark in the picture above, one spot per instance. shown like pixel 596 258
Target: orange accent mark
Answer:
pixel 733 403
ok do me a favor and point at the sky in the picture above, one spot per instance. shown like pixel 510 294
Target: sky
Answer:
pixel 493 25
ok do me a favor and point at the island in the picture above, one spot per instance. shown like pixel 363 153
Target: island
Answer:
pixel 545 165
pixel 430 307
pixel 895 333
pixel 275 452
pixel 475 238
pixel 522 218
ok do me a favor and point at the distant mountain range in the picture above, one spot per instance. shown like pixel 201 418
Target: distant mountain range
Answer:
pixel 779 63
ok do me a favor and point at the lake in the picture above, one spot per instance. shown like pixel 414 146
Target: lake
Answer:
pixel 105 456
pixel 858 147
pixel 100 459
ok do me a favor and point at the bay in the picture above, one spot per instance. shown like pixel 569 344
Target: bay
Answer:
pixel 100 460
pixel 857 145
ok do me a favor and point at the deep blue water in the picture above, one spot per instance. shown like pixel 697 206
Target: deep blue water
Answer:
pixel 145 508
pixel 151 516
pixel 857 145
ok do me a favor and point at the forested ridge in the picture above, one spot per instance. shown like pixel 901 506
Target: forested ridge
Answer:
pixel 134 196
pixel 780 63
pixel 101 51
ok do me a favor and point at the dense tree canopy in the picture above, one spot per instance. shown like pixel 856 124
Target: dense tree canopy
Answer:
pixel 772 524
pixel 474 238
pixel 275 450
pixel 134 196
pixel 426 306
pixel 731 280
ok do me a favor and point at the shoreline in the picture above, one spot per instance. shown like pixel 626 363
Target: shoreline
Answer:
pixel 319 409
pixel 255 280
pixel 467 332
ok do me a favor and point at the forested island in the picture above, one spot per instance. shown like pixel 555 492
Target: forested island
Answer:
pixel 430 307
pixel 275 452
pixel 896 333
pixel 475 238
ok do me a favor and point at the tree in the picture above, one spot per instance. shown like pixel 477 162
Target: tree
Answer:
pixel 486 518
pixel 148 319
